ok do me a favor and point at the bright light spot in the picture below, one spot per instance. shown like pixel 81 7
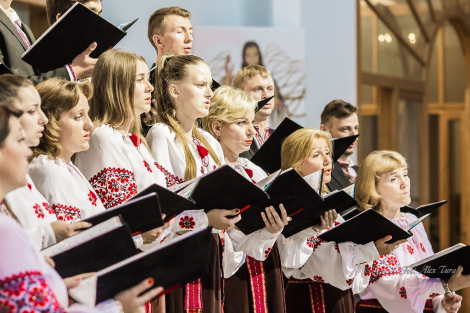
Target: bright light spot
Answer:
pixel 412 37
pixel 388 38
pixel 381 38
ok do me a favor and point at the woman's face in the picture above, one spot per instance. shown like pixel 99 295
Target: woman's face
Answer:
pixel 394 188
pixel 252 56
pixel 75 127
pixel 14 158
pixel 319 158
pixel 33 120
pixel 192 95
pixel 143 89
pixel 237 137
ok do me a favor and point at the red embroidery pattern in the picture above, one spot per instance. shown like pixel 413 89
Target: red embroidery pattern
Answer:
pixel 410 249
pixel 403 293
pixel 336 247
pixel 92 197
pixel 367 270
pixel 39 211
pixel 27 292
pixel 387 265
pixel 318 279
pixel 422 247
pixel 187 222
pixel 169 178
pixel 67 213
pixel 434 294
pixel 147 166
pixel 258 284
pixel 48 208
pixel 266 253
pixel 350 281
pixel 317 299
pixel 114 186
pixel 314 242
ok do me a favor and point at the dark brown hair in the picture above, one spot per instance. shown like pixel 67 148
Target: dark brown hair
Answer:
pixel 54 7
pixel 11 84
pixel 7 110
pixel 337 109
pixel 157 19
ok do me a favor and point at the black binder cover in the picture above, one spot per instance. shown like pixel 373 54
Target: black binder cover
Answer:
pixel 424 209
pixel 310 215
pixel 74 32
pixel 96 254
pixel 365 227
pixel 141 214
pixel 176 264
pixel 445 265
pixel 171 203
pixel 340 145
pixel 268 156
pixel 262 103
pixel 4 69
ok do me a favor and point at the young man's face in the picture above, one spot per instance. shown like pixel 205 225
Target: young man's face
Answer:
pixel 177 36
pixel 343 127
pixel 94 5
pixel 261 88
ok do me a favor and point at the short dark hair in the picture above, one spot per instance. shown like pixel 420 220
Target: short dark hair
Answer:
pixel 10 85
pixel 338 109
pixel 7 110
pixel 54 7
pixel 158 17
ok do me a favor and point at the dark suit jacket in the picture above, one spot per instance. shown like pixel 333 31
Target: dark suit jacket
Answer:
pixel 12 47
pixel 338 179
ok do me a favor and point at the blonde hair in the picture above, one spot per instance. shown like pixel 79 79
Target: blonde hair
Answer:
pixel 170 70
pixel 298 145
pixel 374 165
pixel 228 105
pixel 157 20
pixel 57 96
pixel 249 72
pixel 114 86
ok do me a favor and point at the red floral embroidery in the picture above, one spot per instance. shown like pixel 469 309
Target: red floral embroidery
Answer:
pixel 222 243
pixel 367 270
pixel 147 166
pixel 422 247
pixel 39 211
pixel 266 253
pixel 114 186
pixel 350 281
pixel 27 292
pixel 387 265
pixel 410 249
pixel 336 247
pixel 314 242
pixel 434 294
pixel 202 170
pixel 92 197
pixel 67 213
pixel 169 178
pixel 403 293
pixel 48 208
pixel 187 222
pixel 318 279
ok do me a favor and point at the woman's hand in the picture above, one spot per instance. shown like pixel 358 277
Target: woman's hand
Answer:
pixel 387 248
pixel 223 219
pixel 452 303
pixel 131 301
pixel 152 235
pixel 458 281
pixel 327 220
pixel 63 230
pixel 273 222
pixel 74 281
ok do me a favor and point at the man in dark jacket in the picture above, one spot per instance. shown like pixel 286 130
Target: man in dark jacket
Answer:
pixel 339 118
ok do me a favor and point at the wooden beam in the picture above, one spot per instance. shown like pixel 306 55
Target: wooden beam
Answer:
pixel 444 192
pixel 397 34
pixel 437 108
pixel 393 82
pixel 388 114
pixel 432 13
pixel 39 3
pixel 418 20
pixel 368 109
pixel 441 66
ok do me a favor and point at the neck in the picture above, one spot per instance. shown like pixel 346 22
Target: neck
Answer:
pixel 66 157
pixel 230 157
pixel 344 158
pixel 5 4
pixel 187 124
pixel 389 211
pixel 262 124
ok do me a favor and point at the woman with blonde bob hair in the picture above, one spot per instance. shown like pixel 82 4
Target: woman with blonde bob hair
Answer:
pixel 383 184
pixel 325 271
pixel 230 119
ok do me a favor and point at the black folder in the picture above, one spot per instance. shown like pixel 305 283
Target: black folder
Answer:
pixel 365 227
pixel 268 157
pixel 74 32
pixel 141 214
pixel 95 253
pixel 423 209
pixel 444 263
pixel 176 263
pixel 262 103
pixel 171 203
pixel 340 145
pixel 4 69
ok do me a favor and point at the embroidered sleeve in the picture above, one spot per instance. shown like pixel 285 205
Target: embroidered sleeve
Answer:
pixel 257 245
pixel 27 291
pixel 296 249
